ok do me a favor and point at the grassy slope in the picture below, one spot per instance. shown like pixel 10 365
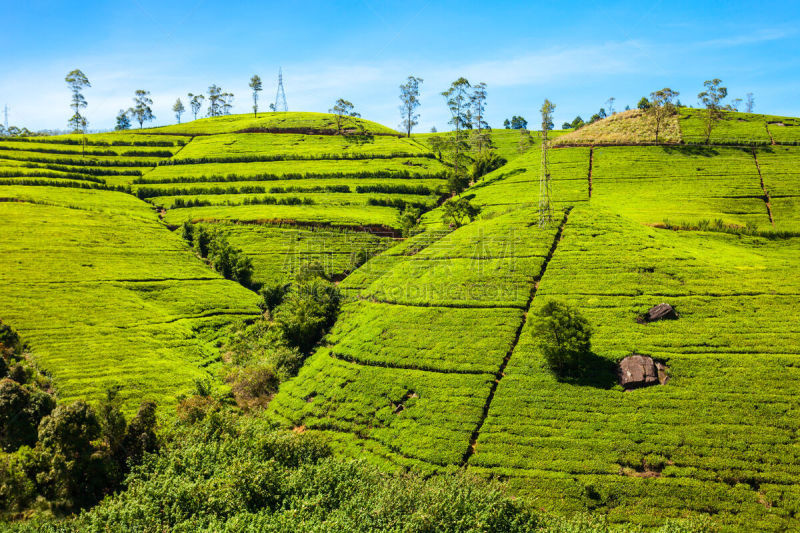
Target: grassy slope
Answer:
pixel 740 128
pixel 642 456
pixel 107 296
pixel 412 360
pixel 626 127
pixel 291 120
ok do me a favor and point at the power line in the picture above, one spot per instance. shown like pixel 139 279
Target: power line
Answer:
pixel 280 96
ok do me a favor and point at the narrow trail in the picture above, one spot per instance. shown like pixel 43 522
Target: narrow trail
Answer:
pixel 473 441
pixel 771 138
pixel 591 163
pixel 767 199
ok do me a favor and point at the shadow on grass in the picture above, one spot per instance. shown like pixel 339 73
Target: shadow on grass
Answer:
pixel 692 149
pixel 596 372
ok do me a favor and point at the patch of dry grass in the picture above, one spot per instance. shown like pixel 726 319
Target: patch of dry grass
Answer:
pixel 627 127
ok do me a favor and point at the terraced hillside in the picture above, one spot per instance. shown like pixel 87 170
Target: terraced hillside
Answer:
pixel 92 274
pixel 432 363
pixel 470 390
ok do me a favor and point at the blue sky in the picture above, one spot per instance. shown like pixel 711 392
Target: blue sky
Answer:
pixel 578 54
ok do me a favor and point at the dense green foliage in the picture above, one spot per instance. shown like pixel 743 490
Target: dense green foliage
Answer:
pixel 564 337
pixel 61 458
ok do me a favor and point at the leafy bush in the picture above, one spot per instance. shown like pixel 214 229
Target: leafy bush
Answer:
pixel 459 211
pixel 307 311
pixel 564 338
pixel 253 386
pixel 229 473
pixel 211 245
pixel 272 295
pixel 486 162
pixel 21 410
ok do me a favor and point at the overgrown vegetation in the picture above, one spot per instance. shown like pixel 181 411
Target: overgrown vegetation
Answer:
pixel 60 458
pixel 212 246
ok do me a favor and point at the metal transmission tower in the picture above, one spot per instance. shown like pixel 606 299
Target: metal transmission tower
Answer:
pixel 545 209
pixel 545 192
pixel 280 96
pixel 5 112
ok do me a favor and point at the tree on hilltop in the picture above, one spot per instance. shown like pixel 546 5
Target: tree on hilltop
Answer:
pixel 610 103
pixel 178 109
pixel 458 103
pixel 141 109
pixel 255 85
pixel 227 103
pixel 215 101
pixel 577 122
pixel 712 99
pixel 661 106
pixel 644 104
pixel 77 81
pixel 409 98
pixel 749 103
pixel 123 120
pixel 342 111
pixel 196 103
pixel 480 137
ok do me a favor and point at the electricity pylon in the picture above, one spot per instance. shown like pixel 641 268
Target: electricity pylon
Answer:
pixel 280 96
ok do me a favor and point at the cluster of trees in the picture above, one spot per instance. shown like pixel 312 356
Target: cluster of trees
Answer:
pixel 228 472
pixel 14 131
pixel 141 111
pixel 260 355
pixel 63 457
pixel 470 138
pixel 214 247
pixel 467 105
pixel 516 123
pixel 219 103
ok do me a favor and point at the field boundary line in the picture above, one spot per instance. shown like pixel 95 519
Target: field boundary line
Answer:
pixel 501 371
pixel 771 138
pixel 767 199
pixel 443 306
pixel 349 359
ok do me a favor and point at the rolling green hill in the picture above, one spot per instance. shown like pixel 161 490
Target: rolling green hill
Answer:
pixel 432 364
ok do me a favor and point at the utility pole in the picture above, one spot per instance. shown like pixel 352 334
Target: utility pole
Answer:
pixel 545 192
pixel 280 96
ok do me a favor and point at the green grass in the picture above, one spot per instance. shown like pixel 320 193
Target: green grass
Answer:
pixel 278 252
pixel 299 121
pixel 105 295
pixel 739 128
pixel 654 184
pixel 288 214
pixel 295 145
pixel 780 169
pixel 718 438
